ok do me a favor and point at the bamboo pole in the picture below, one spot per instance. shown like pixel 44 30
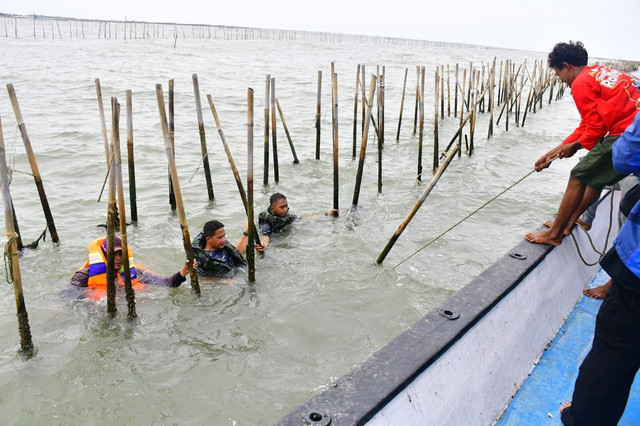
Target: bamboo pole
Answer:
pixel 251 255
pixel 355 115
pixel 32 162
pixel 435 124
pixel 492 92
pixel 365 137
pixel 441 80
pixel 26 344
pixel 265 173
pixel 186 240
pixel 381 93
pixel 274 139
pixel 404 86
pixel 334 121
pixel 421 133
pixel 172 196
pixel 455 95
pixel 130 295
pixel 131 161
pixel 203 139
pixel 448 93
pixel 363 83
pixel 418 204
pixel 111 222
pixel 318 114
pixel 103 123
pixel 286 131
pixel 415 113
pixel 232 164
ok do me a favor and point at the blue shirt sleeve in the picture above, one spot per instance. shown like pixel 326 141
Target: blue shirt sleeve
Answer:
pixel 626 150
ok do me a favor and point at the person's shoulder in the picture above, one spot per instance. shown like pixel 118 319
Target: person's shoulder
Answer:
pixel 263 214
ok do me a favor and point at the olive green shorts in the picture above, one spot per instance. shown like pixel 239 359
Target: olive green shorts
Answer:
pixel 596 168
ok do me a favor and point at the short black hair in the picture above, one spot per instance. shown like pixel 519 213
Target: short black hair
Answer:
pixel 276 197
pixel 211 227
pixel 572 53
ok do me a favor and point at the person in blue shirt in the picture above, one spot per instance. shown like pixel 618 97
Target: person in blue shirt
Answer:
pixel 602 388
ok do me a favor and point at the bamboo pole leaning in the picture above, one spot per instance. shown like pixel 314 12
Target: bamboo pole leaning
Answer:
pixel 286 131
pixel 404 86
pixel 203 138
pixel 251 255
pixel 186 239
pixel 172 197
pixel 131 160
pixel 12 253
pixel 365 137
pixel 418 204
pixel 32 162
pixel 128 287
pixel 103 123
pixel 232 164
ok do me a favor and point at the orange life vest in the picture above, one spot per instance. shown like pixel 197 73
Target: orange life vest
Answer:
pixel 97 265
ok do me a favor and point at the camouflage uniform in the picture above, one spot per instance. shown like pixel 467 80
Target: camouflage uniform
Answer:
pixel 270 223
pixel 218 263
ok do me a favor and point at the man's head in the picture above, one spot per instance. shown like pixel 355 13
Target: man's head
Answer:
pixel 279 205
pixel 117 251
pixel 214 235
pixel 568 59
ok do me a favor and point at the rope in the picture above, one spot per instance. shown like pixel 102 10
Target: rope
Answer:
pixel 8 264
pixel 465 218
pixel 42 237
pixel 606 241
pixel 199 164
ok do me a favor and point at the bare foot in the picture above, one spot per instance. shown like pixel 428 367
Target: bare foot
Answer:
pixel 598 292
pixel 565 406
pixel 544 237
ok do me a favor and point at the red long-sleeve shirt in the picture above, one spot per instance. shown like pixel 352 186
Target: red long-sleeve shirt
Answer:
pixel 607 101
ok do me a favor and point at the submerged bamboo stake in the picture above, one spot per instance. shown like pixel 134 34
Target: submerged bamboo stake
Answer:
pixel 111 223
pixel 418 204
pixel 128 287
pixel 365 137
pixel 274 139
pixel 421 133
pixel 334 122
pixel 318 114
pixel 32 162
pixel 232 164
pixel 404 86
pixel 172 196
pixel 265 172
pixel 251 255
pixel 26 344
pixel 286 131
pixel 355 115
pixel 203 139
pixel 186 239
pixel 131 162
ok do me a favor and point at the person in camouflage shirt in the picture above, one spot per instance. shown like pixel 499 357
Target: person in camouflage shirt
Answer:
pixel 277 217
pixel 215 255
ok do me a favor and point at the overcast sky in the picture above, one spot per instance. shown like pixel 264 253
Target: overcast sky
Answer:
pixel 607 28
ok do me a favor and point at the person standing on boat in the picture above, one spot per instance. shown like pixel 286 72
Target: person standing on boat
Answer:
pixel 607 100
pixel 277 217
pixel 607 373
pixel 216 256
pixel 93 275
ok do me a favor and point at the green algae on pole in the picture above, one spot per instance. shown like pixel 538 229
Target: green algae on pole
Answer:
pixel 203 139
pixel 418 204
pixel 251 255
pixel 32 162
pixel 131 161
pixel 318 114
pixel 404 86
pixel 265 176
pixel 274 138
pixel 128 287
pixel 26 344
pixel 365 137
pixel 186 239
pixel 286 131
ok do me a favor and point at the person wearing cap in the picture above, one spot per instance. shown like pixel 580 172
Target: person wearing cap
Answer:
pixel 277 217
pixel 93 274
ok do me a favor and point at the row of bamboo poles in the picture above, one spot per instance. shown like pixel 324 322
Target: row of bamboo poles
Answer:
pixel 49 27
pixel 475 90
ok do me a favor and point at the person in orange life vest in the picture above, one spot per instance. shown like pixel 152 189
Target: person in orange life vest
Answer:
pixel 93 274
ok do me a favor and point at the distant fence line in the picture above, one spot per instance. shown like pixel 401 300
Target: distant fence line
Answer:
pixel 43 27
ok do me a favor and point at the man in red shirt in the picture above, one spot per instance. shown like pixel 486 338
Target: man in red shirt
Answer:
pixel 608 101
